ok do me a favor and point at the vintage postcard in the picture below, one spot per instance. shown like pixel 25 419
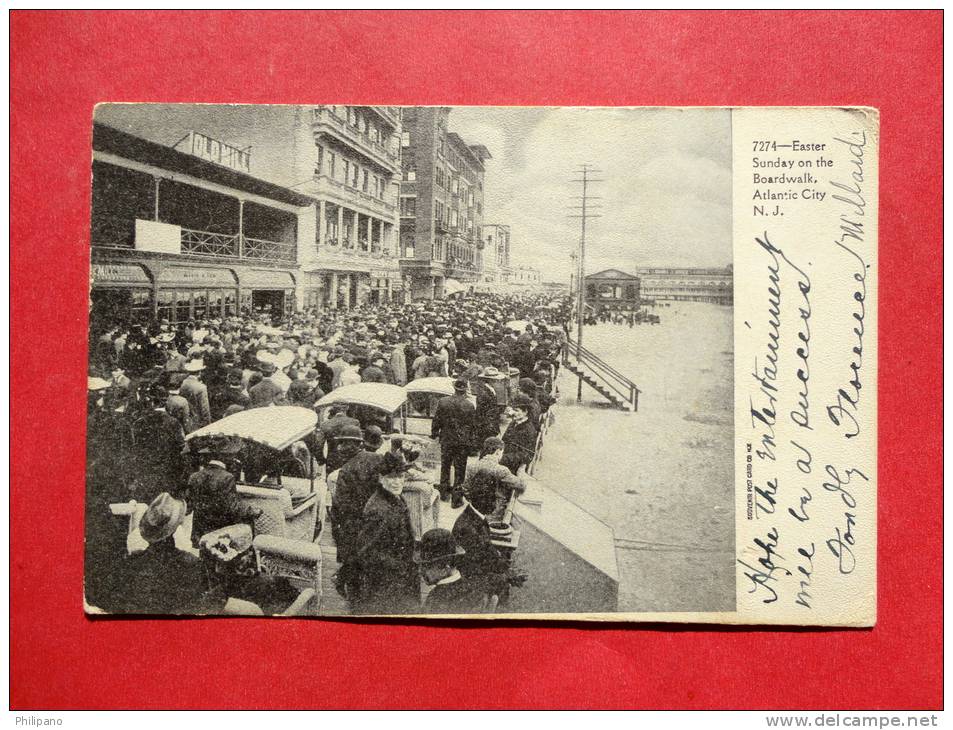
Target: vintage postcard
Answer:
pixel 609 364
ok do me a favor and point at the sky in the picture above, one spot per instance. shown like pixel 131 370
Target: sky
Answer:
pixel 666 184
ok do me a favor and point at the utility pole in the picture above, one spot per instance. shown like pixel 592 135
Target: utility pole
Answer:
pixel 586 171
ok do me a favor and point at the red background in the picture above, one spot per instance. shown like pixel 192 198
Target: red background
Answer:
pixel 64 63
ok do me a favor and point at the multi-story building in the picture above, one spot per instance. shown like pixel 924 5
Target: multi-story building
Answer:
pixel 345 159
pixel 355 165
pixel 496 251
pixel 687 284
pixel 441 203
pixel 523 276
pixel 177 236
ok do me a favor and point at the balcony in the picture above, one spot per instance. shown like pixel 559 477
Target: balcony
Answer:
pixel 223 245
pixel 325 122
pixel 390 114
pixel 379 205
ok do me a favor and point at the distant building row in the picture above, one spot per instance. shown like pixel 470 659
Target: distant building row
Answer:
pixel 617 289
pixel 314 207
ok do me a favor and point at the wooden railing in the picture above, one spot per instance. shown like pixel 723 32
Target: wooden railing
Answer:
pixel 615 381
pixel 205 243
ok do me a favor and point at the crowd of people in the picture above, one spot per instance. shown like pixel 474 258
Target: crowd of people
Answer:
pixel 150 385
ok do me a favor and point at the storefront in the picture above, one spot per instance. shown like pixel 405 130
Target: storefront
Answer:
pixel 136 293
pixel 187 293
pixel 120 294
pixel 385 286
pixel 268 292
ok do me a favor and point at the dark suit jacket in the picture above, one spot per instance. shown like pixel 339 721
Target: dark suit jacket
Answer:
pixel 483 566
pixel 357 481
pixel 384 553
pixel 223 397
pixel 519 445
pixel 303 393
pixel 454 421
pixel 215 502
pixel 265 393
pixel 157 460
pixel 160 580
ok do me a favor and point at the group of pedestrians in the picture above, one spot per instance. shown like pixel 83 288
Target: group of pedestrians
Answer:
pixel 152 384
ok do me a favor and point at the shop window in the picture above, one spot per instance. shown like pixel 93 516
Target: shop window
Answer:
pixel 183 306
pixel 215 303
pixel 141 310
pixel 229 301
pixel 246 302
pixel 200 304
pixel 166 305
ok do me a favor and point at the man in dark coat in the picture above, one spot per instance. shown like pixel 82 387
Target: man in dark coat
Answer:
pixel 305 392
pixel 488 410
pixel 484 569
pixel 346 445
pixel 384 548
pixel 232 394
pixel 267 392
pixel 450 593
pixel 453 424
pixel 519 439
pixel 158 441
pixel 161 579
pixel 357 481
pixel 374 373
pixel 215 501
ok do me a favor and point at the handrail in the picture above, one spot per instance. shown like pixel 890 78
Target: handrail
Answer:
pixel 611 377
pixel 592 356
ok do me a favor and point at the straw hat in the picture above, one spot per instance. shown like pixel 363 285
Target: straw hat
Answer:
pixel 161 519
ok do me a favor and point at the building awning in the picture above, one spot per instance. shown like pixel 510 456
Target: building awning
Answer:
pixel 266 279
pixel 195 276
pixel 120 275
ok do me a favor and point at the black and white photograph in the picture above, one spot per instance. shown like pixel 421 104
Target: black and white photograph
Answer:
pixel 410 361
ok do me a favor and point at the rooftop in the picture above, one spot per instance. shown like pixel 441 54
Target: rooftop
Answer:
pixel 109 139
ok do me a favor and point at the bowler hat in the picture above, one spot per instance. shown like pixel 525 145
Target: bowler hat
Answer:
pixel 161 519
pixel 350 433
pixel 460 386
pixel 438 544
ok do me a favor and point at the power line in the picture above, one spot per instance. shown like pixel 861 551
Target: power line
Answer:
pixel 585 170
